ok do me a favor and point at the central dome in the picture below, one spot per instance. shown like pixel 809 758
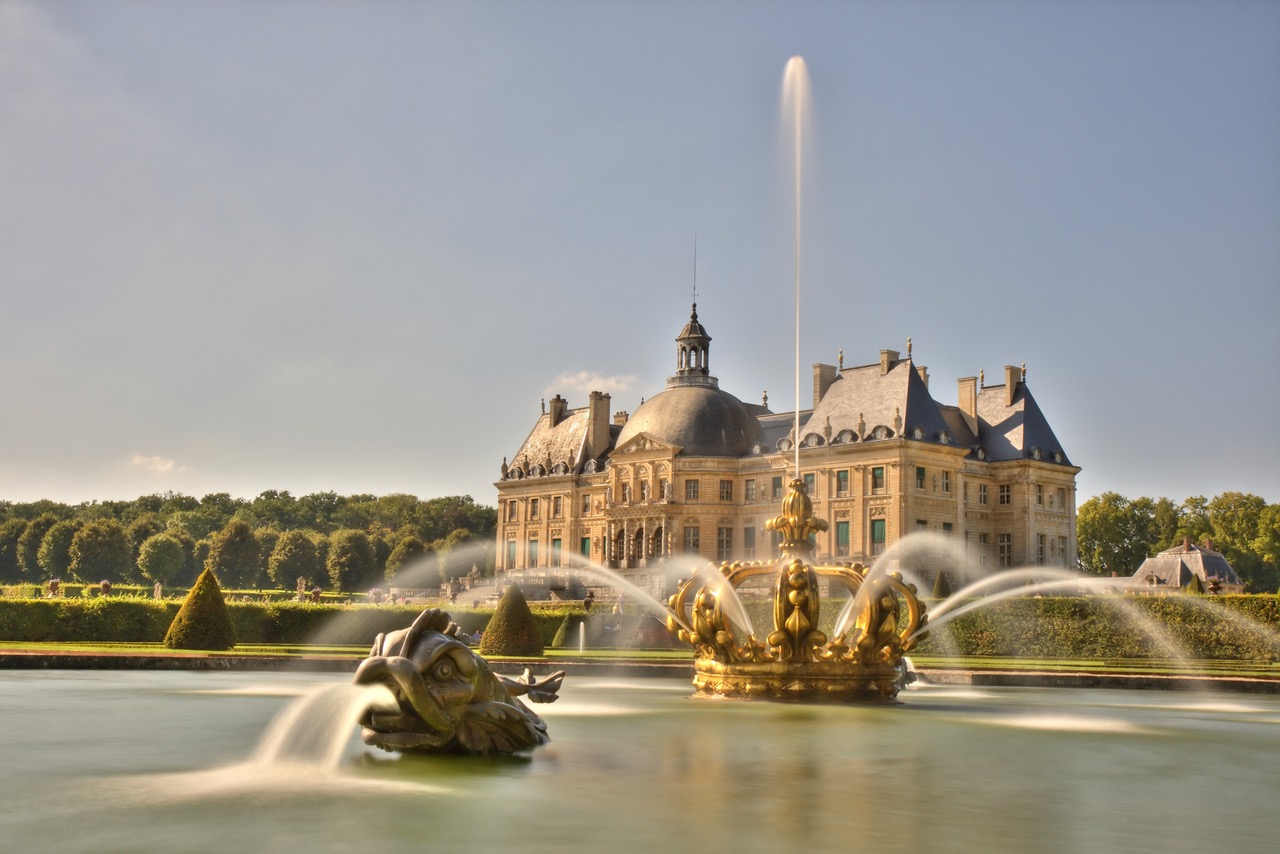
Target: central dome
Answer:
pixel 703 420
pixel 693 413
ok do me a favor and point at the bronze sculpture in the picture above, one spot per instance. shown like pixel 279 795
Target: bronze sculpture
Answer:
pixel 448 699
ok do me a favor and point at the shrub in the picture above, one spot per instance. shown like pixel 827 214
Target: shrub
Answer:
pixel 513 629
pixel 202 621
pixel 569 633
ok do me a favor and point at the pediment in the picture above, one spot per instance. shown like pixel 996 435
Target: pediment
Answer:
pixel 643 443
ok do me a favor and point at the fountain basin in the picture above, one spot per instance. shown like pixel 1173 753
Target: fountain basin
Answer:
pixel 146 761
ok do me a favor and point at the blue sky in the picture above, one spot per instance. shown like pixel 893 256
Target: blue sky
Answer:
pixel 350 246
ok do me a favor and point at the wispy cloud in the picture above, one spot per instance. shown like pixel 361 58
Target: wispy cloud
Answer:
pixel 159 465
pixel 589 381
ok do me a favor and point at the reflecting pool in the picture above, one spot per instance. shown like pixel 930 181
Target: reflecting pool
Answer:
pixel 136 761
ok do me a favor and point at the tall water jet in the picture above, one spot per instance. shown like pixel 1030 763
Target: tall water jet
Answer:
pixel 795 121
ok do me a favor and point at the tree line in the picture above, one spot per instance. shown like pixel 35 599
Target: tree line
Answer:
pixel 343 543
pixel 1116 534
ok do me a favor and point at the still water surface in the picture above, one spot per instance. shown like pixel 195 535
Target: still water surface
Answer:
pixel 122 761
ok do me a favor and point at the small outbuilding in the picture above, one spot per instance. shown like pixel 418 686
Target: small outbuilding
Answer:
pixel 1172 571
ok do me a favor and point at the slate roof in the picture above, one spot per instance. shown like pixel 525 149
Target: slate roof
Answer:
pixel 1173 568
pixel 862 399
pixel 1012 431
pixel 549 446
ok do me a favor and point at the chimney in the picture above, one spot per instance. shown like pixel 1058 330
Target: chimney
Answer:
pixel 887 359
pixel 823 377
pixel 1012 376
pixel 924 375
pixel 619 418
pixel 597 425
pixel 968 401
pixel 558 407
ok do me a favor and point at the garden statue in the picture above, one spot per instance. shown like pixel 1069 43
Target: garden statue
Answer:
pixel 448 699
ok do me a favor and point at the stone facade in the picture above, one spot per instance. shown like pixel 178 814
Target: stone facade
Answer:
pixel 695 470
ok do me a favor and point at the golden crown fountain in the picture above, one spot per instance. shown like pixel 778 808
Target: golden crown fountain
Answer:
pixel 880 621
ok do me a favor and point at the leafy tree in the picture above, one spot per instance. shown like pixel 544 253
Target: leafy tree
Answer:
pixel 446 550
pixel 199 556
pixel 1110 532
pixel 267 539
pixel 142 528
pixel 234 555
pixel 100 550
pixel 1193 520
pixel 351 563
pixel 55 548
pixel 1266 545
pixel 196 523
pixel 317 511
pixel 162 558
pixel 10 533
pixel 203 621
pixel 29 544
pixel 409 549
pixel 1235 517
pixel 294 556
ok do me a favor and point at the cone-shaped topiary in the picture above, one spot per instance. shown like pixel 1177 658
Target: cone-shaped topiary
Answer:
pixel 1194 586
pixel 941 586
pixel 202 622
pixel 512 629
pixel 569 632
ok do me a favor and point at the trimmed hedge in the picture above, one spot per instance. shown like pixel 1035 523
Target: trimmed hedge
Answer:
pixel 136 620
pixel 1245 627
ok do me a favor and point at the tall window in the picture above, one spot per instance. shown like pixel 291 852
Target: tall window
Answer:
pixel 810 485
pixel 557 507
pixel 586 504
pixel 724 543
pixel 777 488
pixel 946 482
pixel 877 536
pixel 555 552
pixel 751 491
pixel 877 479
pixel 1039 495
pixel 726 490
pixel 984 543
pixel 1040 543
pixel 626 493
pixel 692 542
pixel 1062 498
pixel 584 547
pixel 842 539
pixel 533 508
pixel 920 477
pixel 1005 544
pixel 982 493
pixel 511 554
pixel 1006 494
pixel 533 554
pixel 690 490
pixel 749 542
pixel 842 482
